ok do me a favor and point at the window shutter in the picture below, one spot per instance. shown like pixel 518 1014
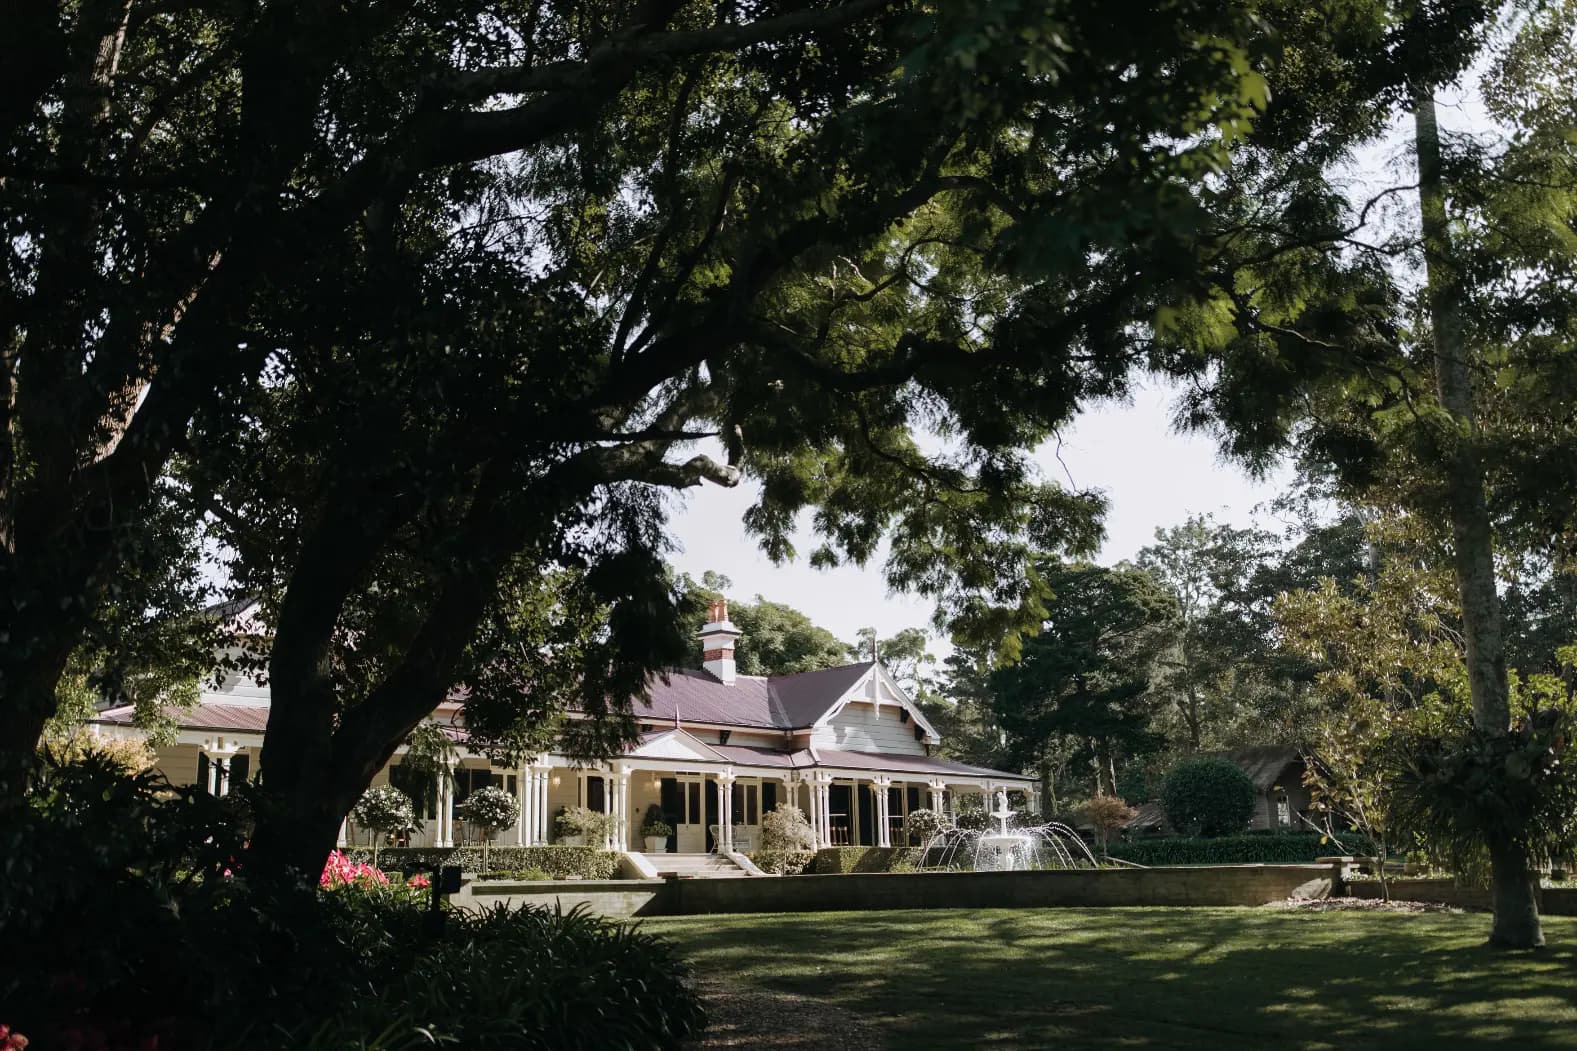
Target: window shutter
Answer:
pixel 240 767
pixel 202 771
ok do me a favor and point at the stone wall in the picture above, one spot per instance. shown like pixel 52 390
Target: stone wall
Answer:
pixel 1175 886
pixel 1553 901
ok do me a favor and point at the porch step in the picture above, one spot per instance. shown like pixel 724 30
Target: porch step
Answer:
pixel 707 866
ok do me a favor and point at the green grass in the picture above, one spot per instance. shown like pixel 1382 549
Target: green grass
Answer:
pixel 1220 978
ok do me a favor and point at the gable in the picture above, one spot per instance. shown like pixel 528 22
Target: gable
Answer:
pixel 675 744
pixel 860 726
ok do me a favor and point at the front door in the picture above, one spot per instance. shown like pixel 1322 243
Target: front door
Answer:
pixel 689 815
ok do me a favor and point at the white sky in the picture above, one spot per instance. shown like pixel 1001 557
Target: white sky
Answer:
pixel 1152 476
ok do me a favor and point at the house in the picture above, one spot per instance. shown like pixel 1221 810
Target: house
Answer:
pixel 1279 794
pixel 1280 797
pixel 716 751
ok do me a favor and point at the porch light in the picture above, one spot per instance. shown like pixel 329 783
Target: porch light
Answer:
pixel 557 780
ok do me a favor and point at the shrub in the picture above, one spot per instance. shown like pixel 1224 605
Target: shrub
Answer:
pixel 922 824
pixel 782 862
pixel 384 810
pixel 786 828
pixel 491 809
pixel 1208 796
pixel 557 861
pixel 840 860
pixel 1289 848
pixel 655 823
pixel 971 820
pixel 528 978
pixel 129 933
pixel 582 821
pixel 1106 814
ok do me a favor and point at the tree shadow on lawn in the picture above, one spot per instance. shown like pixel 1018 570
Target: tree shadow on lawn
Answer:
pixel 1155 977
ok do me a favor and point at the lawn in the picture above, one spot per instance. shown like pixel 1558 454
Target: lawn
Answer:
pixel 1154 977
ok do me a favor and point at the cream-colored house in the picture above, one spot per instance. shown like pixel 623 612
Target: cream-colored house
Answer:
pixel 716 751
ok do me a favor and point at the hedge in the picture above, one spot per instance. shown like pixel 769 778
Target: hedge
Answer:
pixel 782 862
pixel 557 861
pixel 1288 848
pixel 832 861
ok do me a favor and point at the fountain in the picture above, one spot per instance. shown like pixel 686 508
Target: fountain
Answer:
pixel 1049 846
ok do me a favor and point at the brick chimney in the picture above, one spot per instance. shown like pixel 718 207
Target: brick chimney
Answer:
pixel 717 642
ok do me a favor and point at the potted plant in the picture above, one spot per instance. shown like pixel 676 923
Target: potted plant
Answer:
pixel 579 826
pixel 492 810
pixel 655 830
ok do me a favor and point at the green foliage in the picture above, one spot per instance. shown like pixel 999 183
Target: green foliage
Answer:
pixel 594 825
pixel 778 639
pixel 1208 796
pixel 383 810
pixel 655 824
pixel 559 862
pixel 922 824
pixel 782 862
pixel 839 860
pixel 491 809
pixel 1289 848
pixel 786 828
pixel 523 978
pixel 1087 676
pixel 1457 793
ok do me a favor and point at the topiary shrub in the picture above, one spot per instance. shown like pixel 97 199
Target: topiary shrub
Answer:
pixel 786 828
pixel 923 824
pixel 591 825
pixel 782 862
pixel 384 810
pixel 1208 796
pixel 491 809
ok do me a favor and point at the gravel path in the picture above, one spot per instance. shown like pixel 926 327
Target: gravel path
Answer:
pixel 754 1018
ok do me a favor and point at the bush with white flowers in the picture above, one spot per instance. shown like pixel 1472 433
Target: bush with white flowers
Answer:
pixel 492 810
pixel 385 810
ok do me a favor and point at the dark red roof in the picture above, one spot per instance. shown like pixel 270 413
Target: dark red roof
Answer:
pixel 209 715
pixel 783 702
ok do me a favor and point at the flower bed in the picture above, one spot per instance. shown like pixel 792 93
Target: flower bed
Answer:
pixel 782 862
pixel 837 860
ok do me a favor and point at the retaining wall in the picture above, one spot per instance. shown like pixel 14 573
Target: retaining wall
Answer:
pixel 1553 901
pixel 1178 886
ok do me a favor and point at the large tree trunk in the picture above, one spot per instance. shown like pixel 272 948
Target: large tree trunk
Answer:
pixel 1516 922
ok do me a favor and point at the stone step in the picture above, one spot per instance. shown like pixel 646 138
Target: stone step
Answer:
pixel 708 866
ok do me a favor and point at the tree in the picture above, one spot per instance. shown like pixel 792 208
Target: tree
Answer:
pixel 750 280
pixel 1208 796
pixel 1417 357
pixel 635 224
pixel 777 639
pixel 1087 675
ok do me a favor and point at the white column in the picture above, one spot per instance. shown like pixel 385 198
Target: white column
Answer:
pixel 725 811
pixel 936 789
pixel 543 781
pixel 824 805
pixel 520 805
pixel 880 786
pixel 340 840
pixel 439 834
pixel 621 796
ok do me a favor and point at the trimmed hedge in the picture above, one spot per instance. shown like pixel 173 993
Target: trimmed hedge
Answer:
pixel 558 862
pixel 782 862
pixel 833 861
pixel 1290 848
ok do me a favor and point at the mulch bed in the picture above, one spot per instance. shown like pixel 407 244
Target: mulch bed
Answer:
pixel 1359 905
pixel 756 1018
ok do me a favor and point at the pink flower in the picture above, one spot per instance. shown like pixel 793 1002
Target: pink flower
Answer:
pixel 419 882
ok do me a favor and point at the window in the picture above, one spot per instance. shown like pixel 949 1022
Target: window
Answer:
pixel 746 799
pixel 1283 811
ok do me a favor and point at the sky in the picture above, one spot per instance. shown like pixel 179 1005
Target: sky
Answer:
pixel 1151 474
